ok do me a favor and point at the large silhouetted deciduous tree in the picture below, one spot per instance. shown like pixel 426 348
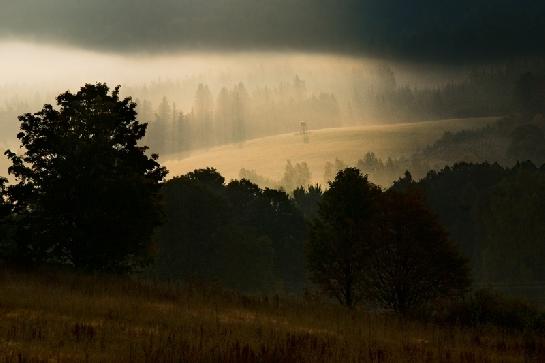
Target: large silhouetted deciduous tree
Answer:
pixel 381 247
pixel 413 262
pixel 86 193
pixel 342 236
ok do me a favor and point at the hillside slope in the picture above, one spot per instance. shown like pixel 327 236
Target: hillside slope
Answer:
pixel 65 317
pixel 268 155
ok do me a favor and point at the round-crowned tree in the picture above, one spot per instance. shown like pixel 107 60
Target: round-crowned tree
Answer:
pixel 86 193
pixel 342 236
pixel 413 262
pixel 385 248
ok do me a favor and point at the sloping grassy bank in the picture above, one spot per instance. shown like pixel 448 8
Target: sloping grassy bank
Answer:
pixel 66 317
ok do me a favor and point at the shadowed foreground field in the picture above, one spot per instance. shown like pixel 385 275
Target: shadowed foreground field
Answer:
pixel 57 317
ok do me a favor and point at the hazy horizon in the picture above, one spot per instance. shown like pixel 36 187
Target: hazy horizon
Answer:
pixel 206 74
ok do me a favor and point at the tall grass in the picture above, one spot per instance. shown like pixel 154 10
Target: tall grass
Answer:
pixel 66 317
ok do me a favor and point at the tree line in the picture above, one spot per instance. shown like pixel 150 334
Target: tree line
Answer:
pixel 510 139
pixel 486 90
pixel 485 214
pixel 491 211
pixel 495 215
pixel 236 114
pixel 88 196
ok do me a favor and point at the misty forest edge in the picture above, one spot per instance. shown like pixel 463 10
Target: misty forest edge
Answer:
pixel 82 168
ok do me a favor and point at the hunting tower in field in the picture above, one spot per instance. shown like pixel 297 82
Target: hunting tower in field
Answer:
pixel 303 131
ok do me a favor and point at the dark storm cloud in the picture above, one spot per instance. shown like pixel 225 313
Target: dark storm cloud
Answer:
pixel 433 30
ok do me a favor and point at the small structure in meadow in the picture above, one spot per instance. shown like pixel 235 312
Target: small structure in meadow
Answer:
pixel 303 131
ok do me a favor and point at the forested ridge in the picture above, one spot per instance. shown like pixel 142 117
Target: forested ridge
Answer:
pixel 199 227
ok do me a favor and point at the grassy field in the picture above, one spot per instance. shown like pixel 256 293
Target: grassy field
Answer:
pixel 268 155
pixel 60 317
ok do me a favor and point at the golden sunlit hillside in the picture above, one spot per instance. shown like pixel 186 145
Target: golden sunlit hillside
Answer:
pixel 268 155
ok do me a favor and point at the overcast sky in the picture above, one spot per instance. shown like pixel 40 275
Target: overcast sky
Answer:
pixel 415 30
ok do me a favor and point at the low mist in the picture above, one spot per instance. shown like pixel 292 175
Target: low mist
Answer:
pixel 278 90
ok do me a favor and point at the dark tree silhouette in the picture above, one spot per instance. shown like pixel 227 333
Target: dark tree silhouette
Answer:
pixel 530 94
pixel 307 200
pixel 86 193
pixel 414 262
pixel 527 143
pixel 381 247
pixel 197 213
pixel 514 232
pixel 286 227
pixel 6 225
pixel 237 234
pixel 342 236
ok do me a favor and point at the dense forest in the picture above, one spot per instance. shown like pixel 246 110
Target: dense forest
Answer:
pixel 502 246
pixel 494 215
pixel 87 196
pixel 257 235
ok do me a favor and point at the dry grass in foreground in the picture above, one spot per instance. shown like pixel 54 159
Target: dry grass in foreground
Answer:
pixel 60 317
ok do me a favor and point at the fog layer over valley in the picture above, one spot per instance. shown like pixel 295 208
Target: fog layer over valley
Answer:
pixel 195 101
